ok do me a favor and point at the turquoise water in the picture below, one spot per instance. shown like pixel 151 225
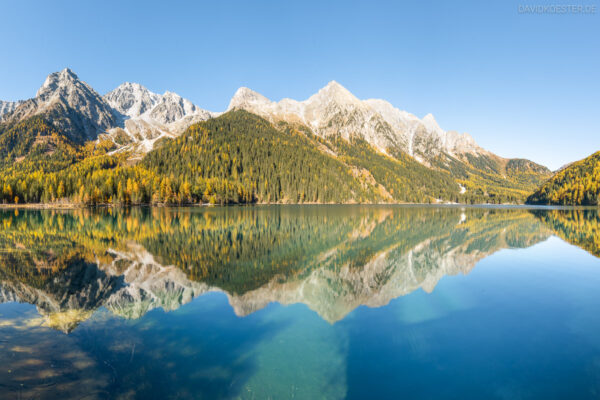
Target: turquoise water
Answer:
pixel 300 302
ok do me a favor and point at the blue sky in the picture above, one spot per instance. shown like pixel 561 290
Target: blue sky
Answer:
pixel 522 85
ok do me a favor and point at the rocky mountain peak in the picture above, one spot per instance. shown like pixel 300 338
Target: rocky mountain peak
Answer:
pixel 64 80
pixel 174 99
pixel 172 107
pixel 84 113
pixel 333 92
pixel 244 98
pixel 132 99
pixel 431 125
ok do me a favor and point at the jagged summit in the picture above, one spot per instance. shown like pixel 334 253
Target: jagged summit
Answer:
pixel 334 91
pixel 244 97
pixel 172 108
pixel 56 80
pixel 132 99
pixel 83 113
pixel 148 116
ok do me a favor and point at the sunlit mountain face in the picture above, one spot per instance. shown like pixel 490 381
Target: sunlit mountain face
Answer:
pixel 332 259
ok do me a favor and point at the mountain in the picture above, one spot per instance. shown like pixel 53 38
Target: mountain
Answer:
pixel 8 106
pixel 148 117
pixel 330 112
pixel 130 116
pixel 575 184
pixel 262 163
pixel 333 111
pixel 369 150
pixel 70 105
pixel 240 157
pixel 275 174
pixel 131 99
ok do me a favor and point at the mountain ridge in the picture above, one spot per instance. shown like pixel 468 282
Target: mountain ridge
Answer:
pixel 379 122
pixel 390 154
pixel 373 117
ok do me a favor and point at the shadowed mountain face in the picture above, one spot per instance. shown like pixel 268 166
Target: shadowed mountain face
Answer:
pixel 333 259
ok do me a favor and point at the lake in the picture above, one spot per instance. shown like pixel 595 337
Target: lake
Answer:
pixel 303 302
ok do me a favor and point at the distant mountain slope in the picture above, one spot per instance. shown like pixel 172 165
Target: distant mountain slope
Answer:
pixel 49 132
pixel 237 157
pixel 489 178
pixel 576 184
pixel 67 110
pixel 278 165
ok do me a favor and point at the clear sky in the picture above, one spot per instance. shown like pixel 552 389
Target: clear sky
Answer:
pixel 523 85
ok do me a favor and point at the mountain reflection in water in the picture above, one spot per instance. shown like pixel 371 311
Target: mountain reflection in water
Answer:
pixel 331 258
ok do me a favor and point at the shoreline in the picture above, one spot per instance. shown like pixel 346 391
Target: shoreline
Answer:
pixel 75 206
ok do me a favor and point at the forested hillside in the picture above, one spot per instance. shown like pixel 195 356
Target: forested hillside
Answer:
pixel 246 152
pixel 491 179
pixel 577 184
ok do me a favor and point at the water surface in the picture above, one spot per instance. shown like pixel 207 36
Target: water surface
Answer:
pixel 300 302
